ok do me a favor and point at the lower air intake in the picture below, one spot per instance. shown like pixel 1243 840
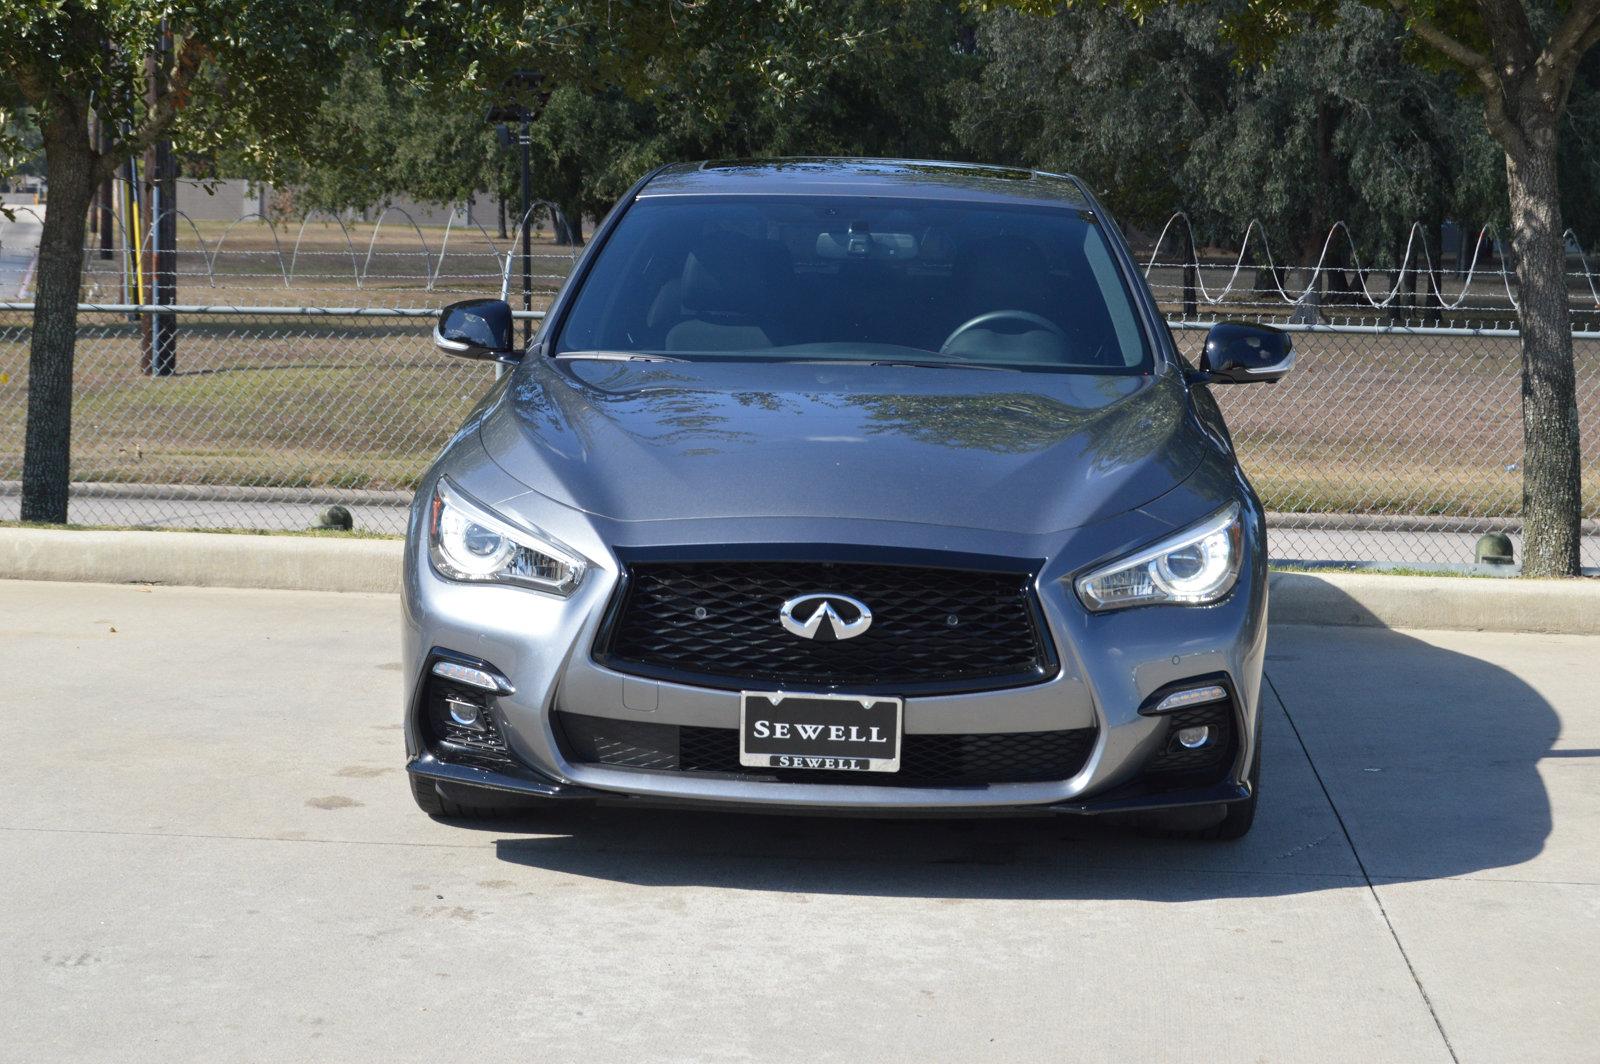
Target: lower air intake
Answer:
pixel 925 760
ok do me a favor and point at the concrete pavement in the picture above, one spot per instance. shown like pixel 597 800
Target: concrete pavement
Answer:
pixel 210 854
pixel 217 513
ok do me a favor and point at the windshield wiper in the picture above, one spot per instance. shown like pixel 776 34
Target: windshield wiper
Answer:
pixel 920 363
pixel 945 365
pixel 619 356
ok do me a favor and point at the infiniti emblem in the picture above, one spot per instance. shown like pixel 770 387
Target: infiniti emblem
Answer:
pixel 825 617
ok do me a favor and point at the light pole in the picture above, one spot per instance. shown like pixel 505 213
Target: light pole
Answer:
pixel 159 357
pixel 524 89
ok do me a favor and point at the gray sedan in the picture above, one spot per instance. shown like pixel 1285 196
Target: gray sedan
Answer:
pixel 844 485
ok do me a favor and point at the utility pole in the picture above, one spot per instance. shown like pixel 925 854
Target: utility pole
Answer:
pixel 104 212
pixel 94 142
pixel 159 357
pixel 527 234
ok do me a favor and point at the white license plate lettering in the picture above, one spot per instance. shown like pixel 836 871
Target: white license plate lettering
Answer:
pixel 824 733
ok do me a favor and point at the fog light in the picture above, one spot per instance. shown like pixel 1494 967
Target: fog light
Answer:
pixel 1194 738
pixel 468 715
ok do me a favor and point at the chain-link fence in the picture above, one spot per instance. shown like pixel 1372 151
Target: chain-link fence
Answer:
pixel 320 260
pixel 397 259
pixel 1441 277
pixel 268 418
pixel 1384 444
pixel 1398 444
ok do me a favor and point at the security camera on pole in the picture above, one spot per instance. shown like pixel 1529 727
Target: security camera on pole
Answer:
pixel 527 97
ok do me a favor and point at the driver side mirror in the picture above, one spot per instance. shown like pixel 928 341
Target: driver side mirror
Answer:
pixel 477 328
pixel 1242 352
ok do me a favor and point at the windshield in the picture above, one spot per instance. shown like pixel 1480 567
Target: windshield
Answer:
pixel 858 279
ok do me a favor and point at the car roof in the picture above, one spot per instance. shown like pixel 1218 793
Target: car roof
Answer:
pixel 898 178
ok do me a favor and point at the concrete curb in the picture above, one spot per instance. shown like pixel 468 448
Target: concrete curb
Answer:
pixel 1459 603
pixel 327 496
pixel 90 489
pixel 201 559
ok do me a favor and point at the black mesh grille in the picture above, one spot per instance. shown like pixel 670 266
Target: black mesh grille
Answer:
pixel 1175 766
pixel 716 623
pixel 624 743
pixel 925 760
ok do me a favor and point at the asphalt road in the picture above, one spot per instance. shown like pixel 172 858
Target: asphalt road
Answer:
pixel 19 248
pixel 209 853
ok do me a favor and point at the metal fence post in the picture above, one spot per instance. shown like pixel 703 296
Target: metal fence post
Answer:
pixel 1191 273
pixel 527 235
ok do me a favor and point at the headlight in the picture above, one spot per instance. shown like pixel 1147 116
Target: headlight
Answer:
pixel 1197 566
pixel 469 541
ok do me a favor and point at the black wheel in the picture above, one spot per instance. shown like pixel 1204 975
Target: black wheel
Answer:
pixel 1236 822
pixel 454 801
pixel 1220 823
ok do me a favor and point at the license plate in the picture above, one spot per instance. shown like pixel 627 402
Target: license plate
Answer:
pixel 838 733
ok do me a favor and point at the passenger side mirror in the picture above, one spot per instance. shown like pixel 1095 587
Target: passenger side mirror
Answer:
pixel 477 328
pixel 1242 352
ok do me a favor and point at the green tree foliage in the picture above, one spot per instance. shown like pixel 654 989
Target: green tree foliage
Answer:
pixel 891 92
pixel 586 150
pixel 835 77
pixel 59 58
pixel 378 136
pixel 1294 112
pixel 1159 116
pixel 249 79
pixel 21 150
pixel 1580 155
pixel 1525 62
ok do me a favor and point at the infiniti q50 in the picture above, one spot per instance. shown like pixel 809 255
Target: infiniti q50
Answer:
pixel 844 485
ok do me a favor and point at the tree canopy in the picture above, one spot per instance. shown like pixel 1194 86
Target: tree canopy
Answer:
pixel 250 79
pixel 1159 114
pixel 1524 61
pixel 1295 112
pixel 1149 102
pixel 839 76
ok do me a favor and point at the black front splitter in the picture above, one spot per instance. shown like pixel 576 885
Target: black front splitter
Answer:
pixel 530 784
pixel 508 780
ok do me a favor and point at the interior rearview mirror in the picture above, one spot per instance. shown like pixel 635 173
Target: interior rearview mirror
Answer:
pixel 1242 352
pixel 477 328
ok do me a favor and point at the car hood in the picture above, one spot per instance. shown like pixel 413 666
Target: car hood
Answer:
pixel 1026 452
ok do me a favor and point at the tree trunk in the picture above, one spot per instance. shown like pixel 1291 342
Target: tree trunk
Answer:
pixel 1551 499
pixel 1433 306
pixel 1338 281
pixel 47 449
pixel 569 226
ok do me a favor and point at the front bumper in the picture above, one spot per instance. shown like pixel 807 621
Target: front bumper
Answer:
pixel 1109 666
pixel 523 782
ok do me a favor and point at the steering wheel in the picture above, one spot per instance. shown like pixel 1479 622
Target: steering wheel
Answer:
pixel 1023 316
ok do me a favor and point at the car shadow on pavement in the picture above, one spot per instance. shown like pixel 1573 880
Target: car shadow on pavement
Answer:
pixel 1426 766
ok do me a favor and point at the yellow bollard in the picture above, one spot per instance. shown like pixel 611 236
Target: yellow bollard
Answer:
pixel 138 245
